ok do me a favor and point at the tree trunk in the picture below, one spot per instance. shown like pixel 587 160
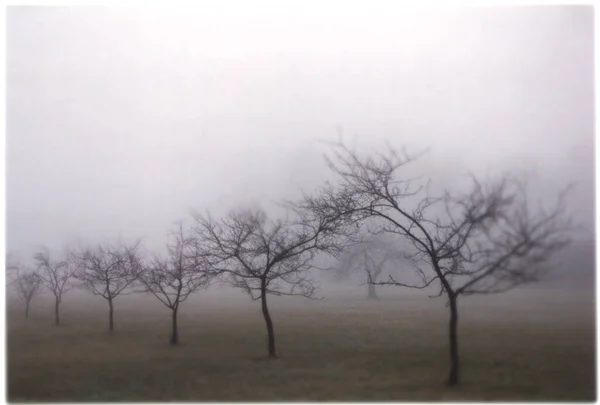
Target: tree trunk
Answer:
pixel 373 279
pixel 269 322
pixel 372 291
pixel 453 378
pixel 175 332
pixel 27 310
pixel 56 312
pixel 111 325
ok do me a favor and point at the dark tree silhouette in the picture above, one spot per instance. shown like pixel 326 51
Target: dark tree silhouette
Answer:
pixel 28 284
pixel 264 256
pixel 487 240
pixel 55 275
pixel 107 270
pixel 173 279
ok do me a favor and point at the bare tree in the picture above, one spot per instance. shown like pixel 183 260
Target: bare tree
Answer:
pixel 28 284
pixel 172 280
pixel 369 257
pixel 264 256
pixel 55 276
pixel 107 270
pixel 12 267
pixel 487 240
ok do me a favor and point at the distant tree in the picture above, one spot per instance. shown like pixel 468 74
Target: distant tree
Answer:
pixel 107 270
pixel 369 257
pixel 487 240
pixel 12 266
pixel 263 256
pixel 28 284
pixel 173 279
pixel 574 267
pixel 55 276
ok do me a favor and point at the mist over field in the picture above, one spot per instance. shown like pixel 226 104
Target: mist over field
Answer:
pixel 122 121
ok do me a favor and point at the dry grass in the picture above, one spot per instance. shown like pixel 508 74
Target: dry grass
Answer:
pixel 516 348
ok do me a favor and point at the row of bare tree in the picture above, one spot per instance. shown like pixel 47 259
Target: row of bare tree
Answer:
pixel 262 256
pixel 487 239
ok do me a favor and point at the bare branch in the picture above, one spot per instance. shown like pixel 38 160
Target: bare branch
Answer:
pixel 173 279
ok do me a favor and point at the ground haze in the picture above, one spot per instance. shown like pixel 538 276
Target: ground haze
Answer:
pixel 523 345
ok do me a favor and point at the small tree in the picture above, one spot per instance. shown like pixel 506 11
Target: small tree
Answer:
pixel 55 276
pixel 487 240
pixel 29 284
pixel 264 256
pixel 369 258
pixel 107 270
pixel 12 267
pixel 172 280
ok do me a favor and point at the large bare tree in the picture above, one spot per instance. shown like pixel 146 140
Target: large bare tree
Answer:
pixel 174 279
pixel 56 276
pixel 28 284
pixel 264 256
pixel 486 240
pixel 107 271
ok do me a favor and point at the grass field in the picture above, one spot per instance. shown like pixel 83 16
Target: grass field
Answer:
pixel 524 345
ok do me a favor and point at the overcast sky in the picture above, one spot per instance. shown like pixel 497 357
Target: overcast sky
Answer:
pixel 120 121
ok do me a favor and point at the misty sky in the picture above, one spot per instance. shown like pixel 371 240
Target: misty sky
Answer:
pixel 120 121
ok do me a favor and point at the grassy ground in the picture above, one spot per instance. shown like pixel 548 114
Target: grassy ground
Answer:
pixel 524 346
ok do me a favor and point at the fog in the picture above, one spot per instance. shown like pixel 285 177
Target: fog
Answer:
pixel 121 121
